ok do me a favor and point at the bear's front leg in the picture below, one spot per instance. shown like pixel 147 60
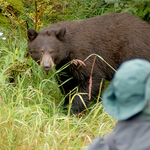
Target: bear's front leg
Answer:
pixel 80 102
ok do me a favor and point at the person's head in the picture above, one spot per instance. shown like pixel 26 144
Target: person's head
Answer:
pixel 129 92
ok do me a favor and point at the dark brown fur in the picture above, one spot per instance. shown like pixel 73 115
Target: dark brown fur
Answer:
pixel 115 37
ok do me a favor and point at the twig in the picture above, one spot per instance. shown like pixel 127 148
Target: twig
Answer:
pixel 41 10
pixel 18 22
pixel 27 24
pixel 27 72
pixel 90 80
pixel 35 25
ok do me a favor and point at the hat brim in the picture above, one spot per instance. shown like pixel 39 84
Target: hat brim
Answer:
pixel 119 110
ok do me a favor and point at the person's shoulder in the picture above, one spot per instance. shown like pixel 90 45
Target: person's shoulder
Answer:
pixel 98 143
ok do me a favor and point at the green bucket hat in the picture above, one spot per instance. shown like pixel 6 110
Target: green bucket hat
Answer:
pixel 129 92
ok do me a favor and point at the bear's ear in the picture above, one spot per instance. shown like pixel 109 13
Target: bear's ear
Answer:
pixel 32 34
pixel 61 34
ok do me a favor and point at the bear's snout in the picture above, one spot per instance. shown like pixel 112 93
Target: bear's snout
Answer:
pixel 46 66
pixel 47 63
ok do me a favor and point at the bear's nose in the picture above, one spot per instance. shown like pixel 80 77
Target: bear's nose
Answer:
pixel 46 66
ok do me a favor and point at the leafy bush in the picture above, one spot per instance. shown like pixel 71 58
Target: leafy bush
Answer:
pixel 43 13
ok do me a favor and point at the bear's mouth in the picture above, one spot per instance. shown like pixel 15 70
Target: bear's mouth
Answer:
pixel 46 69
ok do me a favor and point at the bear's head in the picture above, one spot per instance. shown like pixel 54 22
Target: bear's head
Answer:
pixel 47 47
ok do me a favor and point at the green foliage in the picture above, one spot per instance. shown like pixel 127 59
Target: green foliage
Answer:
pixel 17 5
pixel 4 21
pixel 10 10
pixel 89 8
pixel 42 13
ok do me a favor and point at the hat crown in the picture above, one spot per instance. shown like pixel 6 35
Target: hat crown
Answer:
pixel 126 94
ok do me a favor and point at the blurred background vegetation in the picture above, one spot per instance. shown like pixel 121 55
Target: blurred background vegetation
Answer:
pixel 31 116
pixel 41 13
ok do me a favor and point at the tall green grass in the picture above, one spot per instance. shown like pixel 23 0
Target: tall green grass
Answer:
pixel 31 113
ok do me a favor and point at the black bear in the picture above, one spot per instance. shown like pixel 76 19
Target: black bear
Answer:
pixel 115 37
